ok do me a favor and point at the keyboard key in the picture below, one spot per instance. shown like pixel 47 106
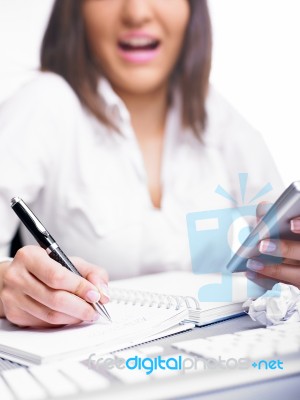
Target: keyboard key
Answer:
pixel 5 392
pixel 196 365
pixel 287 347
pixel 191 345
pixel 189 364
pixel 204 348
pixel 24 385
pixel 54 381
pixel 164 373
pixel 262 351
pixel 126 375
pixel 87 379
pixel 237 351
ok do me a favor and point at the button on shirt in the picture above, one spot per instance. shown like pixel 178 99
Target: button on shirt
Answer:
pixel 88 184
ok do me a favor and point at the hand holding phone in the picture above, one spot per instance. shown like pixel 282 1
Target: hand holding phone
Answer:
pixel 272 249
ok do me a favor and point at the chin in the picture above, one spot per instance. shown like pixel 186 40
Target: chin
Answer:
pixel 139 83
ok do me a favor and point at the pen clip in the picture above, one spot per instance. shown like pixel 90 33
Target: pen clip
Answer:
pixel 39 226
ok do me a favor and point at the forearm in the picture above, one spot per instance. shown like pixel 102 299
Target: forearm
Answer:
pixel 3 266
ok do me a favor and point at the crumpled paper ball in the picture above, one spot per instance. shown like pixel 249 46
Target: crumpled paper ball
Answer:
pixel 277 306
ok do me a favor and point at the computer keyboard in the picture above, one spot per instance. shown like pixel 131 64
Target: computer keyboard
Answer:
pixel 257 343
pixel 77 380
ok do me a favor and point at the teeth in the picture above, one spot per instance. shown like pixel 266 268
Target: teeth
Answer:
pixel 137 42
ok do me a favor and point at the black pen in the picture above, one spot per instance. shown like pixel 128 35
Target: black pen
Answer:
pixel 45 240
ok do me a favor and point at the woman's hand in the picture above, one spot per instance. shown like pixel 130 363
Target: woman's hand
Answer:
pixel 39 292
pixel 289 270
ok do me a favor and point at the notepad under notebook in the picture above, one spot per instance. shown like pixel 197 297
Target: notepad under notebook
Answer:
pixel 141 308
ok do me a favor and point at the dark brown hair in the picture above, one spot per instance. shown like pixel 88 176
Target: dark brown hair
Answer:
pixel 65 51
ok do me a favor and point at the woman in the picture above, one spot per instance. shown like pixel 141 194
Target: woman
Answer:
pixel 112 144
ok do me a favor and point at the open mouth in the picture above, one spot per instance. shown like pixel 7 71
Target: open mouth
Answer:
pixel 138 44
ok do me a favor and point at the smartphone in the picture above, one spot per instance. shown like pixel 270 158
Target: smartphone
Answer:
pixel 274 225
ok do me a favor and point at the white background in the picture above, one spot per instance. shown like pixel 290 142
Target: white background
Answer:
pixel 256 63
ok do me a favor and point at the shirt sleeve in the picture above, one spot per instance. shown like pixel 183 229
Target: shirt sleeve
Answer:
pixel 32 125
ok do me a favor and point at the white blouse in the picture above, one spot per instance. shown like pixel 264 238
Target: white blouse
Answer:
pixel 88 185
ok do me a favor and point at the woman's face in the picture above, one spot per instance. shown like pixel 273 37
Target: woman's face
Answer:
pixel 136 42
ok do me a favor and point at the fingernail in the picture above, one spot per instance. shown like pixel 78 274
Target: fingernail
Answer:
pixel 96 317
pixel 295 225
pixel 93 296
pixel 267 246
pixel 255 265
pixel 250 275
pixel 103 288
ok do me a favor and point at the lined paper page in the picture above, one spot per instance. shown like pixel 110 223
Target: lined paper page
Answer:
pixel 129 323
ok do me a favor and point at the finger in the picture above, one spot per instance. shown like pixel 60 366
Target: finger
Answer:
pixel 287 261
pixel 280 248
pixel 291 262
pixel 57 300
pixel 283 273
pixel 86 268
pixel 261 209
pixel 101 286
pixel 46 314
pixel 54 275
pixel 94 274
pixel 280 272
pixel 261 280
pixel 23 320
pixel 16 315
pixel 295 225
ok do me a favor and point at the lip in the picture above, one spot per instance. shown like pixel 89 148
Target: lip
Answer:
pixel 138 56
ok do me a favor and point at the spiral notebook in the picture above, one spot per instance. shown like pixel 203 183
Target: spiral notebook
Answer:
pixel 181 290
pixel 142 309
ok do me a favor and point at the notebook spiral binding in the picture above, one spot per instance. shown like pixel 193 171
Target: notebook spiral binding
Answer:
pixel 151 299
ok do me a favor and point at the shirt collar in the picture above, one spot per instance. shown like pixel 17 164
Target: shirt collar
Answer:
pixel 114 105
